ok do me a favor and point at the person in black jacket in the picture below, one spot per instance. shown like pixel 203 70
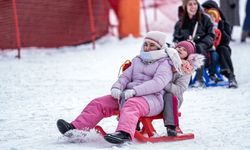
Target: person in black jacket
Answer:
pixel 223 48
pixel 197 27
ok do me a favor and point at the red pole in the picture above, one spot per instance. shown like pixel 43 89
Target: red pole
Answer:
pixel 18 40
pixel 145 15
pixel 92 24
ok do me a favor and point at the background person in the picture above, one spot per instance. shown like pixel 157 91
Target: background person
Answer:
pixel 195 26
pixel 223 49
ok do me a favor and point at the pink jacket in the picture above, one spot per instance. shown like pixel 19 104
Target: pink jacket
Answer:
pixel 148 80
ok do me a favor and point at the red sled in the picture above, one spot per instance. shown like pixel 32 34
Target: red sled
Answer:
pixel 147 133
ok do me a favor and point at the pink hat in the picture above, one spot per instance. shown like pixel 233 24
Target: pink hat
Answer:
pixel 189 46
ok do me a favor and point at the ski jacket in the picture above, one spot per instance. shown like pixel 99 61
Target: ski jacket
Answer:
pixel 178 85
pixel 204 36
pixel 148 80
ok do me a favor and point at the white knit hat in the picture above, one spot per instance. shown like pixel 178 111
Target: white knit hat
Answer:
pixel 156 37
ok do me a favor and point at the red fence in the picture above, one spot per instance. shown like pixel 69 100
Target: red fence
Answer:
pixel 55 23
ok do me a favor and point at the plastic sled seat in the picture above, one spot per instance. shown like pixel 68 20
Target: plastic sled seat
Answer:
pixel 208 82
pixel 148 132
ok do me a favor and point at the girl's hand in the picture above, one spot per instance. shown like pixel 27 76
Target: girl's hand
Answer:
pixel 187 67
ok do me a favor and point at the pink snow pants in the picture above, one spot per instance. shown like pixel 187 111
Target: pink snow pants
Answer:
pixel 106 106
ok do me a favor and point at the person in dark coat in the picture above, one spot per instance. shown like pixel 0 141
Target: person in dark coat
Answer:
pixel 223 48
pixel 203 37
pixel 230 8
pixel 246 26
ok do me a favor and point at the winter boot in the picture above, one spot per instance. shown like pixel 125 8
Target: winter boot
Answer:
pixel 63 126
pixel 171 130
pixel 232 82
pixel 118 137
pixel 225 72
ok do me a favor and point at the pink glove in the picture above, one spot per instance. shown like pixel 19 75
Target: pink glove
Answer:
pixel 129 93
pixel 116 93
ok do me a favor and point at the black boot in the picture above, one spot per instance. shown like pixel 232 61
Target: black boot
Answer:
pixel 63 126
pixel 118 137
pixel 232 82
pixel 225 72
pixel 171 130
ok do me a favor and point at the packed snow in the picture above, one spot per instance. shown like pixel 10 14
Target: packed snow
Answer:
pixel 48 84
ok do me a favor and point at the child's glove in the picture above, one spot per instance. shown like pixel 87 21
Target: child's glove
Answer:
pixel 116 93
pixel 129 93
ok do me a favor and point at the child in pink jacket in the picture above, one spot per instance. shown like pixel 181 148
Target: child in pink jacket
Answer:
pixel 141 87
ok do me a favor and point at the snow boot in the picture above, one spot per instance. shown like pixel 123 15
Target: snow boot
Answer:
pixel 63 126
pixel 171 130
pixel 119 137
pixel 232 83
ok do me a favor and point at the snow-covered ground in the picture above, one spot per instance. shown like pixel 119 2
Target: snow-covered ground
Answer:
pixel 48 84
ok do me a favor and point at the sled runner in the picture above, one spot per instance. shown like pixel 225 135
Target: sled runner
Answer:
pixel 148 132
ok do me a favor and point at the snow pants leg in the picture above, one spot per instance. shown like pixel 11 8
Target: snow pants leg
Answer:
pixel 170 111
pixel 132 110
pixel 225 60
pixel 95 111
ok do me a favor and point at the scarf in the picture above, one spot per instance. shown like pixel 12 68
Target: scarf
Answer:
pixel 152 56
pixel 165 51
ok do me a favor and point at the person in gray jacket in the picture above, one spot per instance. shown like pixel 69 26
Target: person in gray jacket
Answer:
pixel 230 8
pixel 173 96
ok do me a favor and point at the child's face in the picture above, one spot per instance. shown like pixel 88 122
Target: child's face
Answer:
pixel 148 46
pixel 182 52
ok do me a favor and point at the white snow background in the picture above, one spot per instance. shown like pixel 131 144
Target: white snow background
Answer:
pixel 48 84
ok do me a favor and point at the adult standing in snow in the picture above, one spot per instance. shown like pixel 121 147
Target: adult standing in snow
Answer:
pixel 223 48
pixel 141 86
pixel 230 8
pixel 246 26
pixel 195 26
